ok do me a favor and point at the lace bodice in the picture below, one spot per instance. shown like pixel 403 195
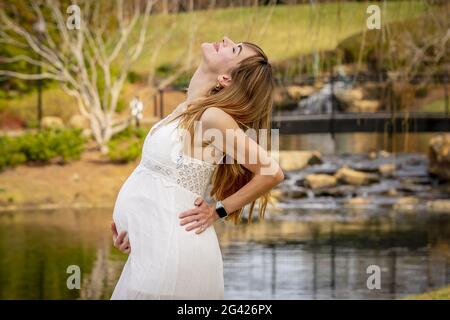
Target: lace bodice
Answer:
pixel 162 153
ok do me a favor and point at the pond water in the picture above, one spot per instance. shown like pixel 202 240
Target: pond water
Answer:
pixel 295 254
pixel 299 252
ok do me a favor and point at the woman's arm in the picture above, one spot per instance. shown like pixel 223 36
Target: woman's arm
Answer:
pixel 232 140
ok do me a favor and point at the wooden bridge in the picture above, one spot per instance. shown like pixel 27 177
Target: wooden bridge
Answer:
pixel 294 123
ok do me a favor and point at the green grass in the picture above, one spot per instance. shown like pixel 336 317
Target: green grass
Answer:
pixel 439 294
pixel 288 32
pixel 434 106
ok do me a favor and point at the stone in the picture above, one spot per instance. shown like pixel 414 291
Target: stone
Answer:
pixel 295 193
pixel 276 194
pixel 439 156
pixel 387 169
pixel 77 121
pixel 297 160
pixel 338 191
pixel 406 204
pixel 51 122
pixel 441 205
pixel 365 106
pixel 297 92
pixel 357 201
pixel 384 154
pixel 349 96
pixel 372 155
pixel 392 192
pixel 354 177
pixel 319 181
pixel 87 133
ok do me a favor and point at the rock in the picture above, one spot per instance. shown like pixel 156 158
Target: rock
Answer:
pixel 338 191
pixel 406 204
pixel 50 122
pixel 354 177
pixel 365 106
pixel 372 155
pixel 318 85
pixel 275 196
pixel 87 133
pixel 297 160
pixel 378 154
pixel 276 193
pixel 364 166
pixel 319 181
pixel 349 96
pixel 439 156
pixel 295 193
pixel 387 169
pixel 412 188
pixel 425 181
pixel 357 201
pixel 384 154
pixel 297 92
pixel 392 192
pixel 77 121
pixel 353 101
pixel 442 205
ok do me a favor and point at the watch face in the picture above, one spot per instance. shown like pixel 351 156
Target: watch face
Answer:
pixel 220 210
pixel 222 213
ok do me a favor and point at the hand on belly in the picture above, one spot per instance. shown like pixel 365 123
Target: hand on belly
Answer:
pixel 121 241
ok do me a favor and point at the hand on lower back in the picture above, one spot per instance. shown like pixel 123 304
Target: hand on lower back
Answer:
pixel 199 218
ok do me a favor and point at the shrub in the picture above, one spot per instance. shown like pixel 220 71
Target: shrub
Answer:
pixel 42 146
pixel 134 77
pixel 69 144
pixel 11 153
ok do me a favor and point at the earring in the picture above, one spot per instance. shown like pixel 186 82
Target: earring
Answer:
pixel 218 86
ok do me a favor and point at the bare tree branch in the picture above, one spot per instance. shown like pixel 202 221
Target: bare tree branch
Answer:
pixel 91 64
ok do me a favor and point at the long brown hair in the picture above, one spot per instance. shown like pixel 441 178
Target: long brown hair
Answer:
pixel 249 100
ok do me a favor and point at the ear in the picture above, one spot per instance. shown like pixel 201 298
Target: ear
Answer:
pixel 224 80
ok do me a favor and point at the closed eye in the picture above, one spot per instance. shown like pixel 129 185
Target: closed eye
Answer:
pixel 240 47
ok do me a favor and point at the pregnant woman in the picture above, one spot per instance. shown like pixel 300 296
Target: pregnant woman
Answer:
pixel 160 216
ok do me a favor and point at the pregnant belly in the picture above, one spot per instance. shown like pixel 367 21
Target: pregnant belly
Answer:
pixel 148 210
pixel 150 201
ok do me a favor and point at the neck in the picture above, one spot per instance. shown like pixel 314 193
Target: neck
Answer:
pixel 200 83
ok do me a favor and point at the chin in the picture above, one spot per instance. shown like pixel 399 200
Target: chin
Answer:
pixel 207 48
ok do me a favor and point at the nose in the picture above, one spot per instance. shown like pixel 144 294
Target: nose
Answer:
pixel 227 41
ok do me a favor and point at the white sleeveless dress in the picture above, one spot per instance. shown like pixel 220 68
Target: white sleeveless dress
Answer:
pixel 166 261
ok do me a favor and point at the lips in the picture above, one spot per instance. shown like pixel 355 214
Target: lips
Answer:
pixel 216 46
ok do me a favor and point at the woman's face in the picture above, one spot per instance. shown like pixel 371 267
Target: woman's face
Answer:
pixel 224 55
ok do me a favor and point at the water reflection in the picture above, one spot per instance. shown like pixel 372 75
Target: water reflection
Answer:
pixel 329 259
pixel 297 255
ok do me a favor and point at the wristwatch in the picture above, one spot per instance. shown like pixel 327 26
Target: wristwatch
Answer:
pixel 221 210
